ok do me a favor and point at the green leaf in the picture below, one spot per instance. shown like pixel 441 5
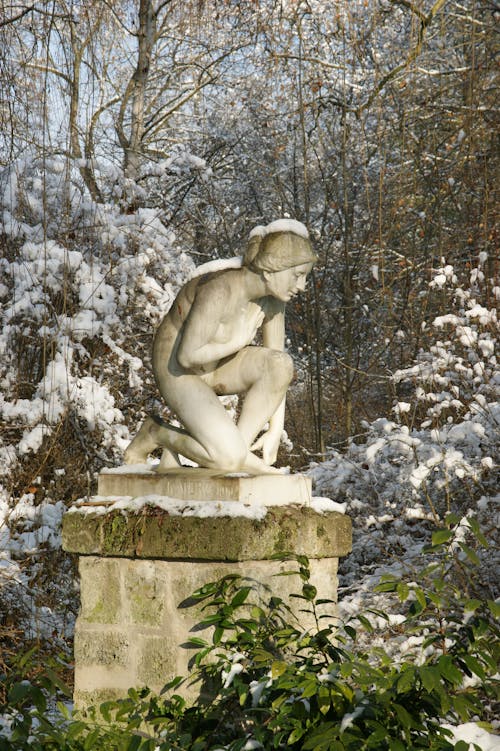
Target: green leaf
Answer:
pixel 405 681
pixel 421 599
pixel 58 682
pixel 449 671
pixel 441 536
pixel 257 612
pixel 404 716
pixel 209 620
pixel 324 700
pixel 430 677
pixel 240 596
pixel 63 709
pixel 309 688
pixel 464 707
pixel 494 608
pixel 346 669
pixel 472 605
pixel 104 710
pixel 295 735
pixel 262 655
pixel 474 665
pixel 474 525
pixel 403 591
pixel 387 584
pixel 365 623
pixel 278 668
pixel 395 745
pixel 75 729
pixel 217 635
pixel 309 592
pixel 195 641
pixel 19 692
pixel 321 738
pixel 471 554
pixel 134 743
pixel 91 740
pixel 461 746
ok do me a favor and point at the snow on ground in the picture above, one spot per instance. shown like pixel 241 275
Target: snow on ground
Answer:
pixel 471 733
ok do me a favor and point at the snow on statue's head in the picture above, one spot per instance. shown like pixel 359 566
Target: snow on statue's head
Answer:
pixel 278 246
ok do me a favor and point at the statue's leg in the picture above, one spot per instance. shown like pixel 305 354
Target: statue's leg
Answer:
pixel 146 441
pixel 142 445
pixel 169 460
pixel 266 394
pixel 264 375
pixel 210 438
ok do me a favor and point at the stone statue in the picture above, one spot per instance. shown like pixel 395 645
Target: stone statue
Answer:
pixel 204 348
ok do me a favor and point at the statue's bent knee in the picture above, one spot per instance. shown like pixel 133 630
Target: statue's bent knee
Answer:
pixel 229 457
pixel 280 365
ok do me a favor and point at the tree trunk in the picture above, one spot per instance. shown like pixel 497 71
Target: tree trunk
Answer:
pixel 139 81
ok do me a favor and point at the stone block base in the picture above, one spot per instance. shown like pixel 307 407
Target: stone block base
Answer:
pixel 133 627
pixel 137 570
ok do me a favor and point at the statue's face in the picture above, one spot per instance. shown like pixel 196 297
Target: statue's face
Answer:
pixel 287 283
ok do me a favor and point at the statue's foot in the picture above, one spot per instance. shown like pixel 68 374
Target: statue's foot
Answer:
pixel 275 471
pixel 169 460
pixel 142 445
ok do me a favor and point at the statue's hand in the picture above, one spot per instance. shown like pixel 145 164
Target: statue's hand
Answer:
pixel 269 443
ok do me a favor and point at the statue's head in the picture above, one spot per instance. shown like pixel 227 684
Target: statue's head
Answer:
pixel 283 255
pixel 278 246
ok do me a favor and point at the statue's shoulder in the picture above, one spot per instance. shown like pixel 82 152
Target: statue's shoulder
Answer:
pixel 229 282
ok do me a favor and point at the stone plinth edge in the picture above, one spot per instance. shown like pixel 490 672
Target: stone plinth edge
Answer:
pixel 205 485
pixel 156 534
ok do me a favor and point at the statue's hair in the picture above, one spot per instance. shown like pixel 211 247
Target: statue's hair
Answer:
pixel 277 251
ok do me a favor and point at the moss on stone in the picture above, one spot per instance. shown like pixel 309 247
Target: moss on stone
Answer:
pixel 100 590
pixel 226 538
pixel 145 595
pixel 110 648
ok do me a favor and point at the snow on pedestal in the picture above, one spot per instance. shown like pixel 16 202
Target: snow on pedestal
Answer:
pixel 142 558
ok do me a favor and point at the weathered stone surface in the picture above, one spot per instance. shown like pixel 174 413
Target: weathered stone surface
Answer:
pixel 145 593
pixel 83 699
pixel 157 662
pixel 101 601
pixel 138 574
pixel 206 485
pixel 101 647
pixel 150 648
pixel 159 535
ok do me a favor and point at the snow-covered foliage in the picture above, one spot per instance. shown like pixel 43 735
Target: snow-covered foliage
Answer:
pixel 440 451
pixel 67 308
pixel 81 289
pixel 438 455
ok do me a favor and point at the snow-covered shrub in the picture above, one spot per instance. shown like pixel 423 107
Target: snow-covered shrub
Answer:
pixel 81 288
pixel 439 452
pixel 77 312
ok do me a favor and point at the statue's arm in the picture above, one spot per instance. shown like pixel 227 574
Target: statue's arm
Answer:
pixel 206 336
pixel 273 328
pixel 273 336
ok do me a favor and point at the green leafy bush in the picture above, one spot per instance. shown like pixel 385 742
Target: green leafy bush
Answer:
pixel 272 686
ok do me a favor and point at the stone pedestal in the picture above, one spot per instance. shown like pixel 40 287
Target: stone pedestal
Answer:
pixel 139 568
pixel 193 483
